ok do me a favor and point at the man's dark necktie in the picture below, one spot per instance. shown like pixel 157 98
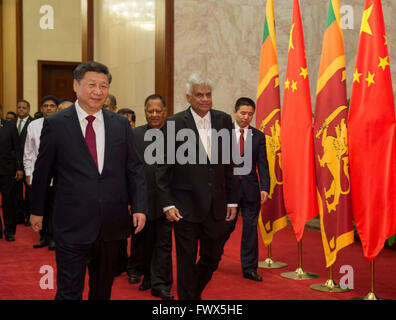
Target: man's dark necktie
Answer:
pixel 19 126
pixel 241 143
pixel 90 138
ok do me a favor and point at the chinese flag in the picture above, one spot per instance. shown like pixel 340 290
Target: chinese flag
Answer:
pixel 371 134
pixel 299 186
pixel 272 217
pixel 330 141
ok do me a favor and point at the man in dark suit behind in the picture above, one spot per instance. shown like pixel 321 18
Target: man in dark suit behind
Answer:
pixel 22 122
pixel 254 186
pixel 91 155
pixel 151 249
pixel 200 195
pixel 11 171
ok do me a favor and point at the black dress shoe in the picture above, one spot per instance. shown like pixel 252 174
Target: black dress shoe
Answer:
pixel 42 243
pixel 145 285
pixel 163 294
pixel 133 278
pixel 252 276
pixel 51 245
pixel 10 237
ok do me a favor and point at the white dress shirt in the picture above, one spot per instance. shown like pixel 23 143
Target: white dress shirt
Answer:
pixel 98 126
pixel 23 122
pixel 32 145
pixel 204 132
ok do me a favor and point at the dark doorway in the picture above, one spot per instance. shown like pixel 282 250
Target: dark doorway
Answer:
pixel 56 78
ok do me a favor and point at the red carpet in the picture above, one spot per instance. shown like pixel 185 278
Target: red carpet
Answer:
pixel 20 271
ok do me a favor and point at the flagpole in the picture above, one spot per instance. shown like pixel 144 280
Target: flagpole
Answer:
pixel 371 295
pixel 329 285
pixel 299 274
pixel 269 263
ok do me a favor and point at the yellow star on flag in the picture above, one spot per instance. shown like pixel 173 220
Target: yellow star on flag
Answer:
pixel 304 72
pixel 294 85
pixel 287 83
pixel 365 24
pixel 356 76
pixel 370 78
pixel 383 63
pixel 386 41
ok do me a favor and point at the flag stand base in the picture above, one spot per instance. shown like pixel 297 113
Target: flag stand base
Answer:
pixel 329 285
pixel 271 264
pixel 299 274
pixel 371 296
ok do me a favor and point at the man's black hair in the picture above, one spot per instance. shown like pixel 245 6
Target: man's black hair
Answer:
pixel 47 98
pixel 124 111
pixel 90 66
pixel 25 101
pixel 244 101
pixel 154 97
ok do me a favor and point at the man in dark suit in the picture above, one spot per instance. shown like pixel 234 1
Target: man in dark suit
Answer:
pixel 200 193
pixel 22 122
pixel 254 186
pixel 91 155
pixel 151 249
pixel 11 170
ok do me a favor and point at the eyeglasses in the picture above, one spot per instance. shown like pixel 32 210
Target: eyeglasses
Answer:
pixel 49 105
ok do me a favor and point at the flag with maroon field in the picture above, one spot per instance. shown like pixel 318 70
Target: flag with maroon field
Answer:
pixel 299 186
pixel 272 216
pixel 330 141
pixel 371 136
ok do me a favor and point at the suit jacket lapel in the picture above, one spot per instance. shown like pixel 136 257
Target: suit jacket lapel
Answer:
pixel 108 118
pixel 188 117
pixel 215 122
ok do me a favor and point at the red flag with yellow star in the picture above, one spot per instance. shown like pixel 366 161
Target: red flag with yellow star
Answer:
pixel 371 136
pixel 272 217
pixel 299 186
pixel 330 141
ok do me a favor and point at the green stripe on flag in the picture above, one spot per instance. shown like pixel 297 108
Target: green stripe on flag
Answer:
pixel 330 15
pixel 266 30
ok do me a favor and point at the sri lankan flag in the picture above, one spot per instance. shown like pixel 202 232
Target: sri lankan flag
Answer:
pixel 272 217
pixel 371 134
pixel 330 141
pixel 299 186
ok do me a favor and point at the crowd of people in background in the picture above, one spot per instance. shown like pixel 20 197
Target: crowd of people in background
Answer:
pixel 208 197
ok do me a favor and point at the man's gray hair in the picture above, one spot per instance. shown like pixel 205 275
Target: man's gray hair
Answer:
pixel 195 79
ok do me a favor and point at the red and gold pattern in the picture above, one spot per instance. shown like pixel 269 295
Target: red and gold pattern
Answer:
pixel 330 141
pixel 272 216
